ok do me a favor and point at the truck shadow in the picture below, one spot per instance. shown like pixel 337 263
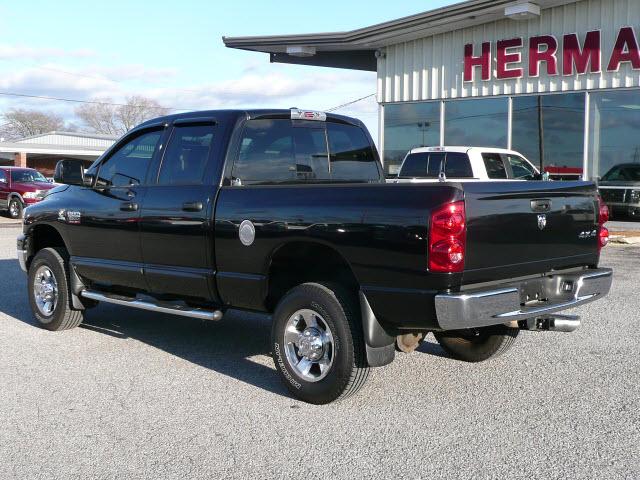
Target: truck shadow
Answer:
pixel 238 346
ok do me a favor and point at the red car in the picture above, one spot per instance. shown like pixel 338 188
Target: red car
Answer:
pixel 21 187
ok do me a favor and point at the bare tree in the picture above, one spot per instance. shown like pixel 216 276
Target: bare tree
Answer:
pixel 20 123
pixel 106 118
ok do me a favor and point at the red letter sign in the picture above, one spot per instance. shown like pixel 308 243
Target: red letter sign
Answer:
pixel 470 62
pixel 626 50
pixel 579 57
pixel 505 59
pixel 548 55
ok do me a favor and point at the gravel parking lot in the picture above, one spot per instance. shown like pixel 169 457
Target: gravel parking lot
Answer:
pixel 138 395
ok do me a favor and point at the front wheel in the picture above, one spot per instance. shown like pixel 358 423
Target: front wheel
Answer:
pixel 477 344
pixel 49 294
pixel 15 208
pixel 318 348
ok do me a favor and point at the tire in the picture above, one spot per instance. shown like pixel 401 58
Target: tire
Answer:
pixel 57 314
pixel 16 208
pixel 332 317
pixel 479 344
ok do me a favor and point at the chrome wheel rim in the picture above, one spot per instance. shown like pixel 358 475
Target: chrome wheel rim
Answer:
pixel 309 345
pixel 13 209
pixel 45 291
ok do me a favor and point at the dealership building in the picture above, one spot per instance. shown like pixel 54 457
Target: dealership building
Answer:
pixel 557 80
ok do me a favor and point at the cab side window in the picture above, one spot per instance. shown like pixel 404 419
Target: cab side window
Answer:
pixel 3 177
pixel 521 168
pixel 352 157
pixel 276 151
pixel 128 166
pixel 495 166
pixel 186 156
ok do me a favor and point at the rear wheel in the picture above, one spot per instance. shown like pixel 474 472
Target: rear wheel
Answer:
pixel 477 344
pixel 317 341
pixel 49 294
pixel 15 208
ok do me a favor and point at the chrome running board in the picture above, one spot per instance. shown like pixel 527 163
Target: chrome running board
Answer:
pixel 214 315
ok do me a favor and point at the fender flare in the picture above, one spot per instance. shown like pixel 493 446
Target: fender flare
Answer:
pixel 15 194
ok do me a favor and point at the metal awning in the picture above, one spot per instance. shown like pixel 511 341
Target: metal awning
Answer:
pixel 357 49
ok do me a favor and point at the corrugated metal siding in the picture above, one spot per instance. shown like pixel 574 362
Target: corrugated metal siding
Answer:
pixel 432 68
pixel 69 140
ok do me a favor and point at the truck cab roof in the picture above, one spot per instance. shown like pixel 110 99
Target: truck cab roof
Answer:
pixel 235 114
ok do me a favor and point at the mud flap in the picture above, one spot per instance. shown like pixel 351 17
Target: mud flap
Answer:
pixel 380 346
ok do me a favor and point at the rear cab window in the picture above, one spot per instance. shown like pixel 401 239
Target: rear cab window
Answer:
pixel 431 164
pixel 458 166
pixel 300 151
pixel 422 165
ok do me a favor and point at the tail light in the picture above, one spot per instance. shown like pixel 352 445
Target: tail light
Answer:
pixel 448 238
pixel 603 217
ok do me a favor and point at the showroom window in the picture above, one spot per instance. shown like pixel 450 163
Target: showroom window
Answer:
pixel 559 121
pixel 480 123
pixel 614 120
pixel 407 126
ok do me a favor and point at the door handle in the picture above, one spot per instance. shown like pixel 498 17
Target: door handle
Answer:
pixel 541 206
pixel 192 206
pixel 129 207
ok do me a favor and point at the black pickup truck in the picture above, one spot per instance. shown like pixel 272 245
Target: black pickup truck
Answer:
pixel 287 212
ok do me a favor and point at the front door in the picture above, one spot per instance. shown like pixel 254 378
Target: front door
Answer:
pixel 177 243
pixel 104 222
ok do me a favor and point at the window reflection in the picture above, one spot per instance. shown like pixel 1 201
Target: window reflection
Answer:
pixel 557 120
pixel 613 137
pixel 407 126
pixel 479 123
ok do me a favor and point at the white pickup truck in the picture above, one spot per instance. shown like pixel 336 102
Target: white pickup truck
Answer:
pixel 430 164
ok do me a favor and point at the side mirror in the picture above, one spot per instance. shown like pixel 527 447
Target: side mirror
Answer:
pixel 69 172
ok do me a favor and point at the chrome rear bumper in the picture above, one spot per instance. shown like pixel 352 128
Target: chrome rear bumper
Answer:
pixel 522 300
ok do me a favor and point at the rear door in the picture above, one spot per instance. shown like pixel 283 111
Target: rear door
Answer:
pixel 523 228
pixel 177 245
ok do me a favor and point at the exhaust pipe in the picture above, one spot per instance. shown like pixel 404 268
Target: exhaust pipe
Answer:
pixel 555 323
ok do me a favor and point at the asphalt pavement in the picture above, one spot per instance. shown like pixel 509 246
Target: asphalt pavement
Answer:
pixel 134 395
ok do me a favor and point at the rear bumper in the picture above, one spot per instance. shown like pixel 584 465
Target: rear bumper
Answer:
pixel 522 300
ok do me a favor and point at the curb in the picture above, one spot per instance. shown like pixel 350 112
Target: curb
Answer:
pixel 625 240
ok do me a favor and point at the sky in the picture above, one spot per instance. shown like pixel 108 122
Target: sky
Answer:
pixel 172 51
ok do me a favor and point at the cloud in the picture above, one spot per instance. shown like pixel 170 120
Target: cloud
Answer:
pixel 22 52
pixel 256 86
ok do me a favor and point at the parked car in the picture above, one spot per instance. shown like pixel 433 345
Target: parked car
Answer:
pixel 287 212
pixel 620 189
pixel 427 164
pixel 21 187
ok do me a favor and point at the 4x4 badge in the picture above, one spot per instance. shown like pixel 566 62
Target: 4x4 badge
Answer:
pixel 542 221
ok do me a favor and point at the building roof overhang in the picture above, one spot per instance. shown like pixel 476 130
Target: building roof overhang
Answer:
pixel 356 49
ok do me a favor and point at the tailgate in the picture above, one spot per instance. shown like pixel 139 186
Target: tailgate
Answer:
pixel 517 229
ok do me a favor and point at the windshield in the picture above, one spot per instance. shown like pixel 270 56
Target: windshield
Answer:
pixel 27 176
pixel 626 173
